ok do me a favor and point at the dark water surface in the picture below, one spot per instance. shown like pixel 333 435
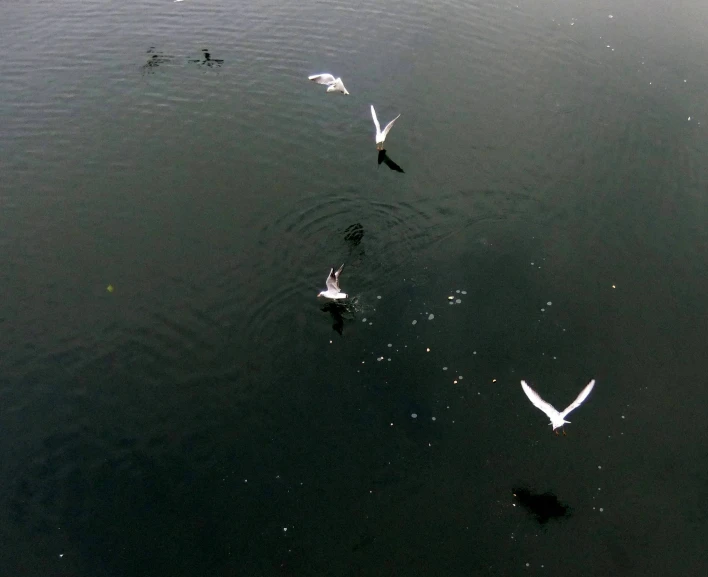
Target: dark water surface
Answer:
pixel 208 417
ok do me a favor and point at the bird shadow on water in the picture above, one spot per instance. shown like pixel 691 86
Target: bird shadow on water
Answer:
pixel 386 159
pixel 206 60
pixel 156 59
pixel 338 312
pixel 543 506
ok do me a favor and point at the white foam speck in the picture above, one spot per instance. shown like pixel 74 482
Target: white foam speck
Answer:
pixel 363 320
pixel 434 418
pixel 378 297
pixel 474 352
pixel 610 16
pixel 458 301
pixel 414 415
pixel 464 292
pixel 460 377
pixel 444 368
pixel 543 310
pixel 431 316
pixel 390 344
pixel 414 322
pixel 549 303
pixel 601 509
pixel 458 291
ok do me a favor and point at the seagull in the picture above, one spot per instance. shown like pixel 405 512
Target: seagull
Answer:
pixel 333 84
pixel 557 418
pixel 333 291
pixel 381 135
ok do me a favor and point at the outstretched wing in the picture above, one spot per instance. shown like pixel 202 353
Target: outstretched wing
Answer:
pixel 376 120
pixel 389 125
pixel 337 273
pixel 538 402
pixel 333 280
pixel 581 397
pixel 322 78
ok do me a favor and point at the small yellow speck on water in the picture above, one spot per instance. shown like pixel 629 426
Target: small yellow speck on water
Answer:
pixel 450 298
pixel 613 286
pixel 110 288
pixel 454 382
pixel 494 380
pixel 428 350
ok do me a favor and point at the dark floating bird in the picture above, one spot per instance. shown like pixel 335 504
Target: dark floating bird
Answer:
pixel 384 158
pixel 543 506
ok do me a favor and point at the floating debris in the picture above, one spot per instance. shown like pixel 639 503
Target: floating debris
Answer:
pixel 390 344
pixel 458 291
pixel 110 288
pixel 444 368
pixel 379 297
pixel 363 320
pixel 414 415
pixel 549 303
pixel 433 418
pixel 427 350
pixel 450 297
pixel 431 316
pixel 458 301
pixel 414 322
pixel 464 292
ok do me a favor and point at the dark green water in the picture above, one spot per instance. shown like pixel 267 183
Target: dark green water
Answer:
pixel 210 416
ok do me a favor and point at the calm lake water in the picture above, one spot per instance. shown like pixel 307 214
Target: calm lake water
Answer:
pixel 209 415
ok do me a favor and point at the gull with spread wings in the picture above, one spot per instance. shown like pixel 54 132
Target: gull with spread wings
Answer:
pixel 333 84
pixel 557 418
pixel 333 291
pixel 381 134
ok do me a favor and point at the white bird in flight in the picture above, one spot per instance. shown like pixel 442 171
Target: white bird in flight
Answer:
pixel 333 291
pixel 333 84
pixel 557 418
pixel 381 134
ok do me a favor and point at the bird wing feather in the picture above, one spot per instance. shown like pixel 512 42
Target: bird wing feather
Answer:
pixel 389 125
pixel 322 78
pixel 538 402
pixel 579 401
pixel 376 120
pixel 333 281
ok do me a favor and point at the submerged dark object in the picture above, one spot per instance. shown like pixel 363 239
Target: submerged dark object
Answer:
pixel 383 157
pixel 543 506
pixel 354 233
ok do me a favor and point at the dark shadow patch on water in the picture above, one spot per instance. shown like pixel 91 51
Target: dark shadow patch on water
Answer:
pixel 155 60
pixel 386 159
pixel 543 506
